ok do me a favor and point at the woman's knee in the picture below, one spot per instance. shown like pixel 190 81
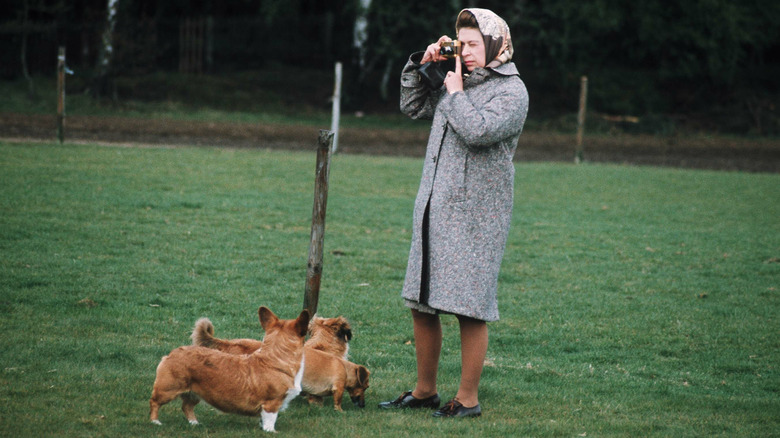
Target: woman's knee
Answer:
pixel 425 319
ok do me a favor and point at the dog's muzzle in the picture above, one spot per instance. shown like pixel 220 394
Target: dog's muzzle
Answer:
pixel 359 402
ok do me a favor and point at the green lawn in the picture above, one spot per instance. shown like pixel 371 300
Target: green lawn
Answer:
pixel 273 96
pixel 635 301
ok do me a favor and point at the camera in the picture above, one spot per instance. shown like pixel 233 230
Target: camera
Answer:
pixel 432 74
pixel 450 49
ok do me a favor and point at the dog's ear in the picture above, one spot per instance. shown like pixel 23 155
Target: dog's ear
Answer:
pixel 362 375
pixel 302 323
pixel 266 317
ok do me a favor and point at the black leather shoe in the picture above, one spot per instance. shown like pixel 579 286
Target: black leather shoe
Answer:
pixel 407 400
pixel 453 408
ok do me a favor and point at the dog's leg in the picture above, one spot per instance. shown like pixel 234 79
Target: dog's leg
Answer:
pixel 338 393
pixel 314 400
pixel 153 416
pixel 158 399
pixel 165 389
pixel 188 402
pixel 269 420
pixel 295 390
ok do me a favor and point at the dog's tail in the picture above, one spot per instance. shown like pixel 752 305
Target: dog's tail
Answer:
pixel 203 334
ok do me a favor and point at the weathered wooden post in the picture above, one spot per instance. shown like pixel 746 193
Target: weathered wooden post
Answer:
pixel 581 118
pixel 314 267
pixel 61 95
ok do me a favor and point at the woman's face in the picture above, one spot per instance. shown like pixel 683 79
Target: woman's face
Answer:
pixel 472 47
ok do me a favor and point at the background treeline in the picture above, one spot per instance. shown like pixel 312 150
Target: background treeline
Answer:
pixel 705 64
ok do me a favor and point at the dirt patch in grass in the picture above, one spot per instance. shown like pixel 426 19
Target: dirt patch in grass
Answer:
pixel 721 153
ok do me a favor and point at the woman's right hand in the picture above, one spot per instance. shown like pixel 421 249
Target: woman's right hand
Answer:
pixel 432 52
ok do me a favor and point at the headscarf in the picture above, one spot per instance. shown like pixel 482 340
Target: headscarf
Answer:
pixel 495 31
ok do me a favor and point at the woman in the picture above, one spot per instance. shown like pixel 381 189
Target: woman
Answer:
pixel 464 204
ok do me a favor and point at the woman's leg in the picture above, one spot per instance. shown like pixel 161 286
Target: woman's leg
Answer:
pixel 473 345
pixel 427 345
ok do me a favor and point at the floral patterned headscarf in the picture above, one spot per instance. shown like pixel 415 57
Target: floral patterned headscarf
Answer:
pixel 495 31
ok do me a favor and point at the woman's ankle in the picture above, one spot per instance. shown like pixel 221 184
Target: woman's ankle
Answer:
pixel 423 394
pixel 467 401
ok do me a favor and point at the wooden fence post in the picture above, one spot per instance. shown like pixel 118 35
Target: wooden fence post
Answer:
pixel 581 118
pixel 61 95
pixel 314 266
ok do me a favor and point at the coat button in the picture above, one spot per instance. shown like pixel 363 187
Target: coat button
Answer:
pixel 433 158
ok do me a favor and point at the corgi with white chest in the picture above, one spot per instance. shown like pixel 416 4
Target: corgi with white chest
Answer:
pixel 258 384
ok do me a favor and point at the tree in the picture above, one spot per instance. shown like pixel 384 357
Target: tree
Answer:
pixel 102 81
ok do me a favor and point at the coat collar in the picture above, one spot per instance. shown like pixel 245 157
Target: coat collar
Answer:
pixel 479 75
pixel 508 69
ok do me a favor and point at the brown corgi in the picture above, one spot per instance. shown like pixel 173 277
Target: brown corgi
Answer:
pixel 261 383
pixel 326 371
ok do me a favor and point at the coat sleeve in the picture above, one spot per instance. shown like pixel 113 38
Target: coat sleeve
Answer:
pixel 503 115
pixel 417 101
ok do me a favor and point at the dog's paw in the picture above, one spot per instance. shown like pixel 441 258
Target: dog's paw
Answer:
pixel 268 420
pixel 157 422
pixel 194 422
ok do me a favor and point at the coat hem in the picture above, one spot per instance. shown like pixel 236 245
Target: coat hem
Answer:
pixel 424 308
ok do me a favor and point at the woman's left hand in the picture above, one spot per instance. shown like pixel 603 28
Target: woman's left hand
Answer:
pixel 454 80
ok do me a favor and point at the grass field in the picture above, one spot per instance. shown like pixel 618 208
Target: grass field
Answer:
pixel 273 96
pixel 635 301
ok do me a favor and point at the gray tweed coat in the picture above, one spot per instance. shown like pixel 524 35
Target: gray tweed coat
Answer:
pixel 467 186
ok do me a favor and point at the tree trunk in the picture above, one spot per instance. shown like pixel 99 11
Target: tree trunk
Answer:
pixel 25 32
pixel 102 81
pixel 360 34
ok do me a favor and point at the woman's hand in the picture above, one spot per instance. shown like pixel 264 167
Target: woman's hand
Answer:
pixel 432 52
pixel 454 79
